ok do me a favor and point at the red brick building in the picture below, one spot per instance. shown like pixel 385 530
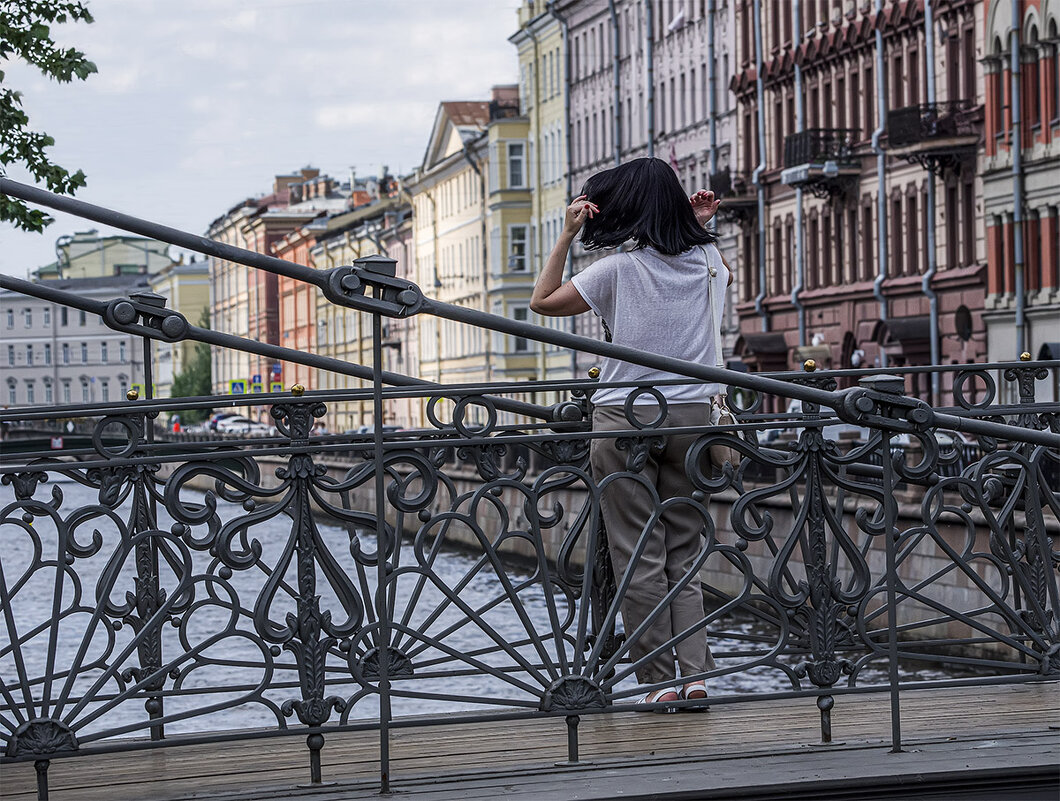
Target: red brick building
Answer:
pixel 815 280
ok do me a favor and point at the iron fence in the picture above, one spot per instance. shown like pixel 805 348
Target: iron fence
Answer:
pixel 158 590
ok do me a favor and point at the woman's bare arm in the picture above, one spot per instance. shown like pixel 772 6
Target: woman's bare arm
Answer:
pixel 552 297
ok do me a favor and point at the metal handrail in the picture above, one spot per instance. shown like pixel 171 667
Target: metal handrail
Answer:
pixel 880 405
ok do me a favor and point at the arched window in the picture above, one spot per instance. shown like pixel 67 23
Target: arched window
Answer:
pixel 1054 107
pixel 1032 85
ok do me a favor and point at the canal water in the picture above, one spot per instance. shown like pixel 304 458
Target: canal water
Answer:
pixel 76 645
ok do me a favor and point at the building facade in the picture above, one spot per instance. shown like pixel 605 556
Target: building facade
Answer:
pixel 55 355
pixel 650 78
pixel 848 264
pixel 186 288
pixel 1020 168
pixel 246 302
pixel 86 254
pixel 381 227
pixel 471 218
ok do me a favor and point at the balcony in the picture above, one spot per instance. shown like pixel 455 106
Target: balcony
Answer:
pixel 941 137
pixel 737 193
pixel 821 160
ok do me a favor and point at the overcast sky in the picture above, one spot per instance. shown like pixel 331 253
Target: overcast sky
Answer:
pixel 199 103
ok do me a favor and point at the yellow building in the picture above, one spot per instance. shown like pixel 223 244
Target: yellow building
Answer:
pixel 86 254
pixel 384 227
pixel 472 236
pixel 542 86
pixel 186 288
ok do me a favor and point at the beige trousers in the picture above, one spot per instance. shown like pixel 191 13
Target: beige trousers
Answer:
pixel 673 543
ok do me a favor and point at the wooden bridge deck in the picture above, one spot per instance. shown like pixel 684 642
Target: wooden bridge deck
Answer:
pixel 980 740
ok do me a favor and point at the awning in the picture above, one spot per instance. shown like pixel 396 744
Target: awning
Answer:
pixel 763 343
pixel 822 354
pixel 1049 351
pixel 904 330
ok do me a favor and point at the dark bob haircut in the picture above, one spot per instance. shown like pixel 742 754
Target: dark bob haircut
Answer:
pixel 642 200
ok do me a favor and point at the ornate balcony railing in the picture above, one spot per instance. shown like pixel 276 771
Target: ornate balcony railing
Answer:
pixel 156 588
pixel 819 146
pixel 930 123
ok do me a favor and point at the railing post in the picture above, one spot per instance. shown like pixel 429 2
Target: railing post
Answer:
pixel 41 766
pixel 387 267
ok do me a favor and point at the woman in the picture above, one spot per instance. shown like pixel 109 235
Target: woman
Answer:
pixel 653 297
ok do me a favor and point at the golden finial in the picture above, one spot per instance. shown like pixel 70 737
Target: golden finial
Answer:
pixel 297 390
pixel 809 365
pixel 594 372
pixel 1025 357
pixel 132 394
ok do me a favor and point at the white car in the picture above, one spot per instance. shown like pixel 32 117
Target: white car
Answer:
pixel 241 425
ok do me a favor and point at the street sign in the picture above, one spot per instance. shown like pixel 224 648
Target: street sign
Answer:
pixel 277 368
pixel 237 387
pixel 276 386
pixel 256 378
pixel 57 443
pixel 257 387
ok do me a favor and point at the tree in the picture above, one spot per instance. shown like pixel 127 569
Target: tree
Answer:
pixel 25 35
pixel 196 379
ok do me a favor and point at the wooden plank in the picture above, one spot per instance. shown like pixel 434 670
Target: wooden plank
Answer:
pixel 616 741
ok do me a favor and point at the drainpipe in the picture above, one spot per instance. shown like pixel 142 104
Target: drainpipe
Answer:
pixel 712 100
pixel 486 344
pixel 800 125
pixel 932 256
pixel 881 188
pixel 569 268
pixel 1017 180
pixel 756 177
pixel 535 203
pixel 649 62
pixel 616 122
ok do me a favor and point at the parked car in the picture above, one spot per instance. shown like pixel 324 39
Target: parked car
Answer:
pixel 215 419
pixel 242 425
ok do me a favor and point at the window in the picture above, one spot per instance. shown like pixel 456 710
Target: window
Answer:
pixel 12 395
pixel 122 356
pixel 31 392
pixel 11 355
pixel 84 353
pixel 103 352
pixel 124 385
pixel 66 353
pixel 517 261
pixel 10 318
pixel 104 391
pixel 47 316
pixel 66 391
pixel 47 354
pixel 29 354
pixel 48 394
pixel 63 316
pixel 81 318
pixel 84 391
pixel 520 314
pixel 27 315
pixel 516 164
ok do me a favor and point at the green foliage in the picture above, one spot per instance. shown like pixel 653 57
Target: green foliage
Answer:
pixel 25 34
pixel 197 378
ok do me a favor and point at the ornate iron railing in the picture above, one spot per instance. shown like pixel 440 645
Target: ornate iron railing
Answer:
pixel 820 145
pixel 913 125
pixel 170 589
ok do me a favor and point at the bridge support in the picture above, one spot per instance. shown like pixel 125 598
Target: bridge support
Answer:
pixel 572 744
pixel 41 766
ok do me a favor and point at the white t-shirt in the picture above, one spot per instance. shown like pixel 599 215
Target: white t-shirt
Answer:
pixel 657 303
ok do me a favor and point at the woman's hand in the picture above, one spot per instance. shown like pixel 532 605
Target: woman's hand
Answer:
pixel 578 212
pixel 704 204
